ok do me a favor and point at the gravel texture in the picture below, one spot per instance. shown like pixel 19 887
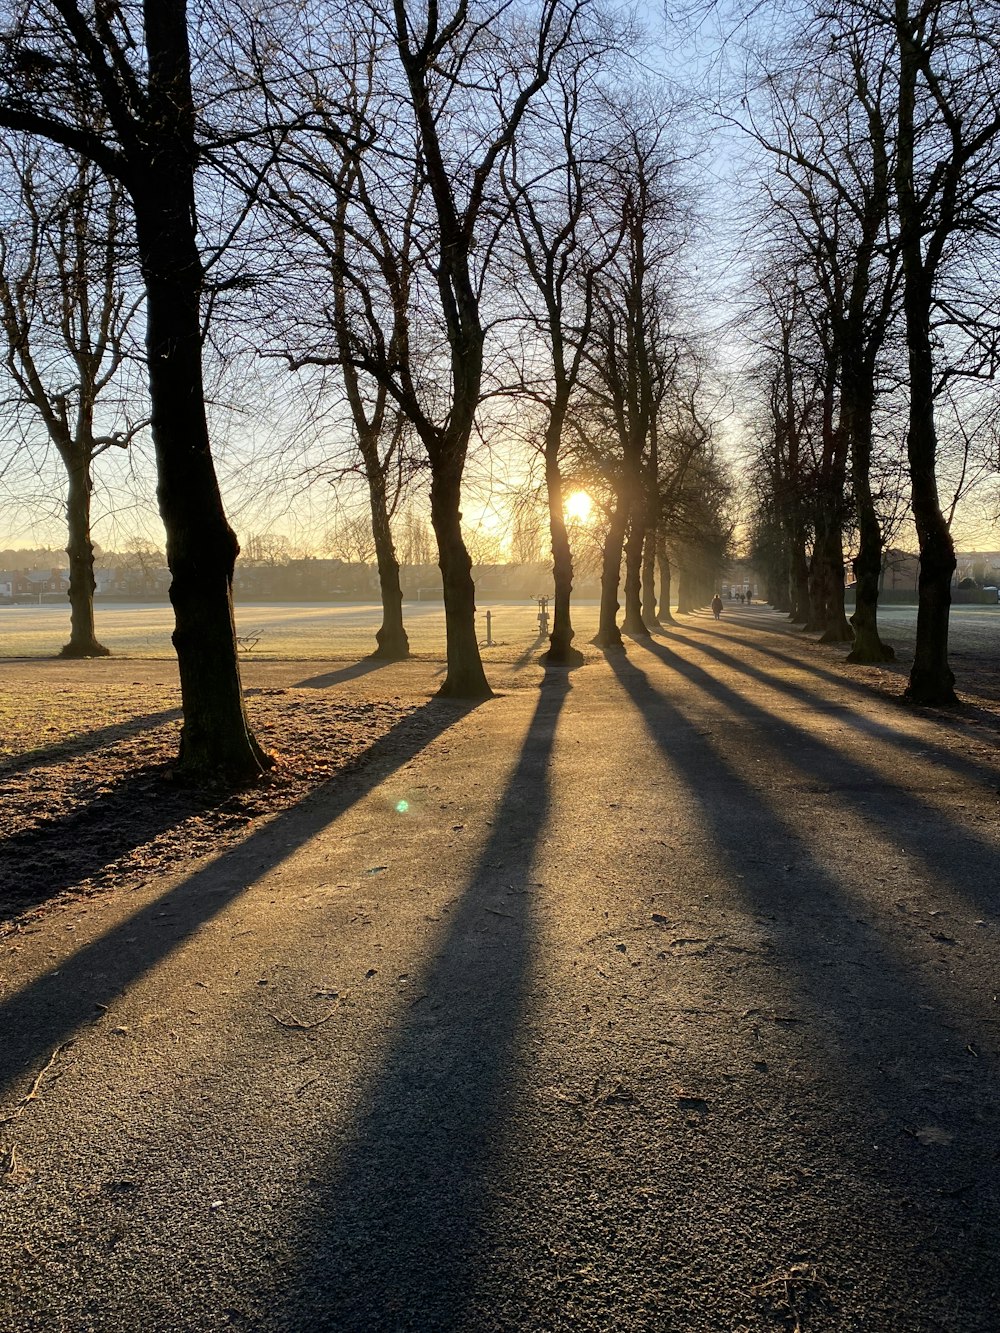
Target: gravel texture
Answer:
pixel 658 995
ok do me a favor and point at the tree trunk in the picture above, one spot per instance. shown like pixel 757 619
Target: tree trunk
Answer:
pixel 868 645
pixel 649 616
pixel 931 678
pixel 633 622
pixel 216 740
pixel 833 617
pixel 393 644
pixel 560 651
pixel 685 595
pixel 608 634
pixel 465 677
pixel 798 579
pixel 663 566
pixel 83 640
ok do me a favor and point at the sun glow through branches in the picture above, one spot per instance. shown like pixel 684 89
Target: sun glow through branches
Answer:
pixel 578 507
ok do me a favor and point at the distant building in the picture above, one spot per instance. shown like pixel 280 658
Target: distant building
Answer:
pixel 983 566
pixel 14 583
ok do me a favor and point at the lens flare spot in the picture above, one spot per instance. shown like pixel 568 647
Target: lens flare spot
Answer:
pixel 402 807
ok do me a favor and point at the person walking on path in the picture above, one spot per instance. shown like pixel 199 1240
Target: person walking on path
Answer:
pixel 716 606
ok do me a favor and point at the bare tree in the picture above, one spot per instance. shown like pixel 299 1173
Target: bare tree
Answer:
pixel 437 53
pixel 351 539
pixel 553 188
pixel 65 313
pixel 628 348
pixel 326 188
pixel 947 178
pixel 65 68
pixel 681 433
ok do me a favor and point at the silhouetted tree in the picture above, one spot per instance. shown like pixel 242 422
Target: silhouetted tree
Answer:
pixel 65 314
pixel 947 178
pixel 553 186
pixel 66 67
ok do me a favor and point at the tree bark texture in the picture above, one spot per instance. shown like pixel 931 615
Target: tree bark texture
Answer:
pixel 83 641
pixel 633 622
pixel 392 640
pixel 465 677
pixel 560 651
pixel 608 634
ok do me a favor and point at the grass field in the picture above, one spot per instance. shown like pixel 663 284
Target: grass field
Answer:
pixel 284 631
pixel 324 632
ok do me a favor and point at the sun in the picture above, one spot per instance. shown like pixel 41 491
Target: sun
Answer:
pixel 578 507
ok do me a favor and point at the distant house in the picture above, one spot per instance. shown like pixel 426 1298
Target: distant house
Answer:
pixel 900 571
pixel 14 583
pixel 47 582
pixel 983 566
pixel 109 581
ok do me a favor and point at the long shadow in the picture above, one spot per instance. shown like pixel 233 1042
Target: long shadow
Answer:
pixel 887 1054
pixel 402 1225
pixel 88 740
pixel 945 718
pixel 49 1010
pixel 352 672
pixel 38 862
pixel 521 662
pixel 957 857
pixel 868 726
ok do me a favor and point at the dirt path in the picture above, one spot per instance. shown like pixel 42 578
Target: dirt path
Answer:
pixel 657 996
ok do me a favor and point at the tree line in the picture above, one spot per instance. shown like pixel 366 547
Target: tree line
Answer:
pixel 876 330
pixel 458 220
pixel 463 224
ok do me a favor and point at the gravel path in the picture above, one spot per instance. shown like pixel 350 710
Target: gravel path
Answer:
pixel 660 995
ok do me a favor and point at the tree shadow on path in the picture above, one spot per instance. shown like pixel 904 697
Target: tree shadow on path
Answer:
pixel 917 746
pixel 955 855
pixel 85 742
pixel 886 1054
pixel 534 647
pixel 83 842
pixel 51 1009
pixel 337 677
pixel 403 1221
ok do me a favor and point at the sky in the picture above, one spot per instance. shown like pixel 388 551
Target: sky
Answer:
pixel 270 461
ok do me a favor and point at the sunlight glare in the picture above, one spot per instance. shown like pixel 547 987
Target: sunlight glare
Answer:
pixel 578 506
